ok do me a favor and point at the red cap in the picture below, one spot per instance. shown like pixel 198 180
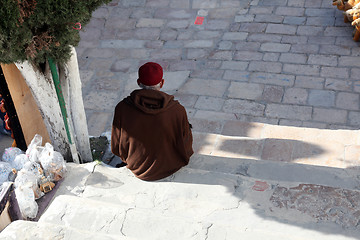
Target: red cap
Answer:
pixel 150 74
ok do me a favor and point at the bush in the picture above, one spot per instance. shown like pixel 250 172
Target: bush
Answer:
pixel 37 29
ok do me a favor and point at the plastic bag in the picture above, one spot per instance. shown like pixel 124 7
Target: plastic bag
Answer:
pixel 34 168
pixel 34 149
pixel 10 154
pixel 26 201
pixel 25 178
pixel 5 169
pixel 53 163
pixel 19 161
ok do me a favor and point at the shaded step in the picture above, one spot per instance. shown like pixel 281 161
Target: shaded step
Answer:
pixel 26 230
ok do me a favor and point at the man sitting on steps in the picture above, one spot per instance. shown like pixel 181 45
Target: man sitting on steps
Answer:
pixel 151 132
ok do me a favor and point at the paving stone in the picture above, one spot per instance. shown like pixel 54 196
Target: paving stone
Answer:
pixel 133 3
pixel 296 3
pixel 221 55
pixel 178 24
pixel 323 98
pixel 305 48
pixel 150 23
pixel 281 29
pixel 320 21
pixel 247 55
pixel 241 76
pixel 137 13
pixel 209 103
pixel 334 50
pixel 337 31
pixel 295 96
pixel 347 61
pixel 174 44
pixel 225 45
pixel 169 13
pixel 288 111
pixel 265 18
pixel 262 37
pixel 234 65
pixel 187 100
pixel 168 34
pixel 217 25
pixel 248 46
pixel 295 20
pixel 269 67
pixel 174 54
pixel 275 47
pixel 338 84
pixel 261 10
pixel 206 35
pixel 244 107
pixel 293 58
pixel 154 44
pixel 355 72
pixel 204 4
pixel 273 93
pixel 294 39
pixel 252 27
pixel 357 86
pixel 183 65
pixel 199 44
pixel 315 12
pixel 215 115
pixel 205 87
pixel 120 23
pixel 174 80
pixel 207 74
pixel 147 33
pixel 271 78
pixel 273 57
pixel 329 115
pixel 180 4
pixel 100 53
pixel 290 11
pixel 323 60
pixel 157 3
pixel 219 13
pixel 321 40
pixel 122 44
pixel 301 69
pixel 250 91
pixel 334 72
pixel 310 31
pixel 309 82
pixel 237 36
pixel 197 53
pixel 245 18
pixel 272 3
pixel 354 118
pixel 345 100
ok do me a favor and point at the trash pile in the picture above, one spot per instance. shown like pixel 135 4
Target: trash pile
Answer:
pixel 33 173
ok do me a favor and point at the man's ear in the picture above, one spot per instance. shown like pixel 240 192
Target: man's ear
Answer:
pixel 138 82
pixel 162 83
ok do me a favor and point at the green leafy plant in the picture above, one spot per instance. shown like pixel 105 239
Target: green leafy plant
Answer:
pixel 35 30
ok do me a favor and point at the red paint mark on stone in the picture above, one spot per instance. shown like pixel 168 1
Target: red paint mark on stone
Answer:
pixel 260 186
pixel 199 20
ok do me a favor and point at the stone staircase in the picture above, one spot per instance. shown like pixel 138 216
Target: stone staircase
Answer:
pixel 232 189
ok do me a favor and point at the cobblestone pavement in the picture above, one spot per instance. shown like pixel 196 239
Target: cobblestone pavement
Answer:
pixel 282 62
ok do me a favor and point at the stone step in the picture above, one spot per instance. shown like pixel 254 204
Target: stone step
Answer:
pixel 196 204
pixel 279 171
pixel 27 230
pixel 261 141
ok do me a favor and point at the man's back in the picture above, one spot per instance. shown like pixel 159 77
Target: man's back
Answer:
pixel 151 133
